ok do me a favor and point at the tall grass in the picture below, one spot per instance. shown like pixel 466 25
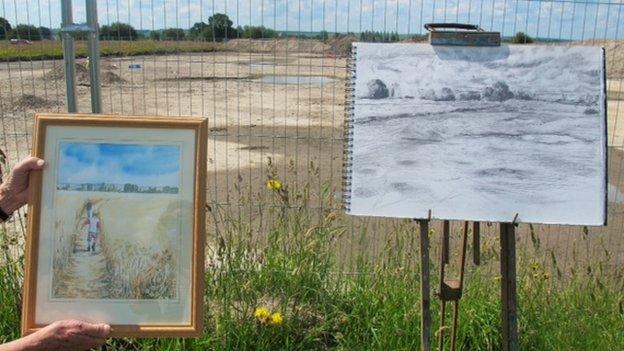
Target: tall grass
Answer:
pixel 375 306
pixel 63 248
pixel 134 272
pixel 11 278
pixel 48 49
pixel 67 231
pixel 141 260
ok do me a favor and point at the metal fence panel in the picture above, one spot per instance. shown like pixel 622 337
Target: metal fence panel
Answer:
pixel 275 103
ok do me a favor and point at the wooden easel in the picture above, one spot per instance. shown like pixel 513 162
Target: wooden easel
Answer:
pixel 451 290
pixel 467 35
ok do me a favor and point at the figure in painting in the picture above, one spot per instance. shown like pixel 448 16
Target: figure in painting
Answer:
pixel 94 226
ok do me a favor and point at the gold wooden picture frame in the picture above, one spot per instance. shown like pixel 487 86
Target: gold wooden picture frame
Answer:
pixel 116 224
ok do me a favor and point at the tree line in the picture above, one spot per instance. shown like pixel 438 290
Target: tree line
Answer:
pixel 23 31
pixel 218 28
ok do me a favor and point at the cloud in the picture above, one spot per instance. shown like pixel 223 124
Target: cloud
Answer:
pixel 119 164
pixel 566 20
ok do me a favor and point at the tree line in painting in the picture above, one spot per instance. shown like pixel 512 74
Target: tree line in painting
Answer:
pixel 118 188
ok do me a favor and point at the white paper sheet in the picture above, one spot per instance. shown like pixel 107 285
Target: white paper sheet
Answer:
pixel 479 133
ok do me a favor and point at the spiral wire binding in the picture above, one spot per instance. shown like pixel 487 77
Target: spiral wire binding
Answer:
pixel 347 161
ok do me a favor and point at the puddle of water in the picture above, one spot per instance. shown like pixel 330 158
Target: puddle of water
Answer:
pixel 317 80
pixel 173 79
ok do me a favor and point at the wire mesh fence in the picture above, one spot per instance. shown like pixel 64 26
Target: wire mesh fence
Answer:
pixel 269 76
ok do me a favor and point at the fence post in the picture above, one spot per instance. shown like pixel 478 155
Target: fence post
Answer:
pixel 69 58
pixel 94 56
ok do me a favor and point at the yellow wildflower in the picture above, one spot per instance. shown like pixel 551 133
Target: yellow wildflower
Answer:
pixel 276 319
pixel 274 184
pixel 263 314
pixel 546 275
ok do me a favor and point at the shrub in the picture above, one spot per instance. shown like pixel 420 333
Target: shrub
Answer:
pixel 118 31
pixel 521 38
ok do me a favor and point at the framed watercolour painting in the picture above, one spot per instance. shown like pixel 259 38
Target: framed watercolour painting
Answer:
pixel 116 224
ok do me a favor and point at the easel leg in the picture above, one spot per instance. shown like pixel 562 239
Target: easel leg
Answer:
pixel 446 241
pixel 454 326
pixel 425 319
pixel 508 287
pixel 476 243
pixel 444 259
pixel 442 326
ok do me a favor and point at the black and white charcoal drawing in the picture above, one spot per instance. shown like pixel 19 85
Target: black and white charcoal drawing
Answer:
pixel 476 133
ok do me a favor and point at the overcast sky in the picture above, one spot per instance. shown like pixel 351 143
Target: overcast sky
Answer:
pixel 564 19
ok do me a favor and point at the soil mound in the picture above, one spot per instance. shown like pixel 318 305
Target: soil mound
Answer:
pixel 58 73
pixel 34 102
pixel 108 77
pixel 341 47
pixel 82 75
pixel 279 45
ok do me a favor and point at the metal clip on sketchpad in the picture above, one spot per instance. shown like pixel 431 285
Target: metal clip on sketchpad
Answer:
pixel 459 34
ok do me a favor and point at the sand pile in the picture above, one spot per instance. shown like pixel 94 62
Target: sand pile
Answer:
pixel 34 102
pixel 105 64
pixel 341 47
pixel 58 73
pixel 108 77
pixel 82 75
pixel 614 51
pixel 279 45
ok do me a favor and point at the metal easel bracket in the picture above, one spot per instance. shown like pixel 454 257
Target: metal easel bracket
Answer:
pixel 74 29
pixel 451 289
pixel 459 34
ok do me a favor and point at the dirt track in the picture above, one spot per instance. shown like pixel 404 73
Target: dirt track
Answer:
pixel 87 274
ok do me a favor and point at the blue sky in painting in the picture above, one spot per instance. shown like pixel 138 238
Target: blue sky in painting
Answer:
pixel 144 165
pixel 559 19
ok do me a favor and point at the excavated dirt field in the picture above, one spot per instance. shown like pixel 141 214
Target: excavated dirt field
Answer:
pixel 286 106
